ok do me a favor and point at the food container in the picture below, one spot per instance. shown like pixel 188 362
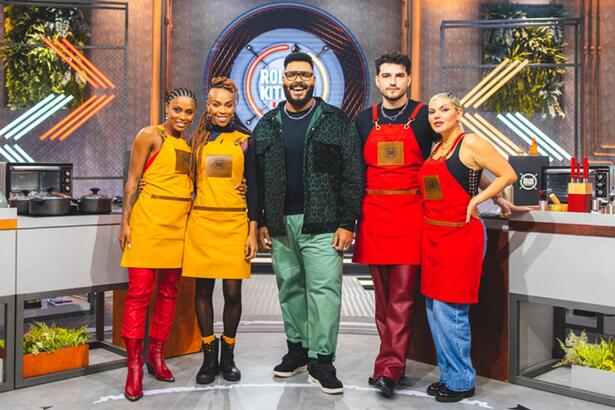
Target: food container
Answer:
pixel 49 204
pixel 95 203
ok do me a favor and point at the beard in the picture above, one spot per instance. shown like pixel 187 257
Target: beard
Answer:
pixel 395 97
pixel 302 101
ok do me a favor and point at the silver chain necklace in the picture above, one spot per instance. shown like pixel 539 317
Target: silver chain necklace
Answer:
pixel 302 116
pixel 392 118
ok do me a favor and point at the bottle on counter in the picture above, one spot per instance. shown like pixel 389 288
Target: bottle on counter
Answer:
pixel 3 202
pixel 534 147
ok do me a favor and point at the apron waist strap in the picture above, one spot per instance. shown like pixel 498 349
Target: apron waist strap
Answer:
pixel 392 191
pixel 444 223
pixel 170 198
pixel 218 209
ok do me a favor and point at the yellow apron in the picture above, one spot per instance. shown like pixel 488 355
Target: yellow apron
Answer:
pixel 158 218
pixel 218 223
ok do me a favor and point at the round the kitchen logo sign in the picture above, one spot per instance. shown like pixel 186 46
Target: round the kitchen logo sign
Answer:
pixel 251 51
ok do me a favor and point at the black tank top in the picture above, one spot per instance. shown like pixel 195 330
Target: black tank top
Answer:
pixel 467 178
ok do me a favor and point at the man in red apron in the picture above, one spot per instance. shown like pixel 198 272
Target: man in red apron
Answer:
pixel 397 138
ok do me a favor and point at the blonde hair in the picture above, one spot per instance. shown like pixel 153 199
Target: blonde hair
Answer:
pixel 455 102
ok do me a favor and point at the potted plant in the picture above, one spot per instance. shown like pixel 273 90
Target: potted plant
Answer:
pixel 2 349
pixel 593 365
pixel 50 349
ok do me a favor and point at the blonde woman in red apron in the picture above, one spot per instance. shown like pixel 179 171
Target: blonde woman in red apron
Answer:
pixel 454 240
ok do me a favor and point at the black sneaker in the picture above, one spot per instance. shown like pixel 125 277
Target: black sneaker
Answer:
pixel 293 362
pixel 323 374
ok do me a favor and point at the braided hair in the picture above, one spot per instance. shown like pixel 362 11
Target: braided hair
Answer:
pixel 200 137
pixel 179 92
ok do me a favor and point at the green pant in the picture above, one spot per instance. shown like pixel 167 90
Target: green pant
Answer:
pixel 309 276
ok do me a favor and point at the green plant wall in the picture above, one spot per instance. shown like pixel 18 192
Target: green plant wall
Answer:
pixel 533 90
pixel 32 70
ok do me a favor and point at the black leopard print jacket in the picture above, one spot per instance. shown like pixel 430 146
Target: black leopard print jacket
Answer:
pixel 333 171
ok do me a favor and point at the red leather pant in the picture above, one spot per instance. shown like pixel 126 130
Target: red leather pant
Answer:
pixel 395 289
pixel 140 288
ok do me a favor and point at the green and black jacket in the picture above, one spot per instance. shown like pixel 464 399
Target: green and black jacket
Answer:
pixel 333 171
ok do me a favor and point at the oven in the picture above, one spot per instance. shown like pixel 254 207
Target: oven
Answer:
pixel 557 178
pixel 39 177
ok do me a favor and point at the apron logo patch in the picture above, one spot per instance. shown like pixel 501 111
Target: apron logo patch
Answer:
pixel 182 161
pixel 219 166
pixel 431 187
pixel 391 153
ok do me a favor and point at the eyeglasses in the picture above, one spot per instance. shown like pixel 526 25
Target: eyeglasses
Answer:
pixel 292 75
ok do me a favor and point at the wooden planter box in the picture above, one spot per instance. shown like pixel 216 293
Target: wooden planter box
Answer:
pixel 60 360
pixel 594 380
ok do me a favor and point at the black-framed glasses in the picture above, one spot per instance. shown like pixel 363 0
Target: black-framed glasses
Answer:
pixel 292 75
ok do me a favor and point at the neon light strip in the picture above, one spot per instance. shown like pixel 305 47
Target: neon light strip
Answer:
pixel 88 63
pixel 66 53
pixel 76 118
pixel 484 81
pixel 13 153
pixel 32 118
pixel 495 80
pixel 543 136
pixel 529 132
pixel 498 134
pixel 68 61
pixel 23 153
pixel 465 122
pixel 250 73
pixel 323 74
pixel 495 140
pixel 26 114
pixel 66 119
pixel 501 83
pixel 46 115
pixel 521 135
pixel 88 116
pixel 7 156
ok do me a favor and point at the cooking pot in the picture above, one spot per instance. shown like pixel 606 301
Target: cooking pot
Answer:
pixel 95 203
pixel 49 204
pixel 20 200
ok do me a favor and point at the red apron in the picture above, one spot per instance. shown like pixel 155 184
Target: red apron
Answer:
pixel 452 250
pixel 389 232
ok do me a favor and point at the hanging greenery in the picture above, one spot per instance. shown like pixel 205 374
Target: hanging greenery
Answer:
pixel 533 90
pixel 32 70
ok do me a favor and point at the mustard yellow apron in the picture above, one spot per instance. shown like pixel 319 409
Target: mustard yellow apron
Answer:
pixel 218 223
pixel 158 218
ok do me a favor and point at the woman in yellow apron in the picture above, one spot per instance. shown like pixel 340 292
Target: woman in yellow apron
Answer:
pixel 221 232
pixel 152 235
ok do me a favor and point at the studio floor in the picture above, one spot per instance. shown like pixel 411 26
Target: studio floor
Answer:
pixel 257 353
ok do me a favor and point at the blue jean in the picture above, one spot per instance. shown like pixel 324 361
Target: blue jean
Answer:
pixel 450 329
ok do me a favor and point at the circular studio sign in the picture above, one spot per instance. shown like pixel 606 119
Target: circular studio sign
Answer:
pixel 251 51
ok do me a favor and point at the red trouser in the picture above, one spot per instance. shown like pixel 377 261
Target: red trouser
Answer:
pixel 395 288
pixel 140 289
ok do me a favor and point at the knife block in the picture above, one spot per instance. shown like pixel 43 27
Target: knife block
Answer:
pixel 580 196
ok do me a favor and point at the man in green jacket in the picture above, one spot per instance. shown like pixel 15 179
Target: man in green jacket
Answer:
pixel 310 184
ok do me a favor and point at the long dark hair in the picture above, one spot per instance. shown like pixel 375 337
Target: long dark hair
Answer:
pixel 200 137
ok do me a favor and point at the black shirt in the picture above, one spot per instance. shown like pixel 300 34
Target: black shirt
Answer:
pixel 467 177
pixel 249 171
pixel 425 136
pixel 294 131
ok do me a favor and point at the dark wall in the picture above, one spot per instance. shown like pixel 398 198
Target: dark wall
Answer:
pixel 375 24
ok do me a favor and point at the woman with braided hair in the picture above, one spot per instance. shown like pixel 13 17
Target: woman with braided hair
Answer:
pixel 152 235
pixel 221 233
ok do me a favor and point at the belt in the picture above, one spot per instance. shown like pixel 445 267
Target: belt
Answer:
pixel 170 198
pixel 444 223
pixel 392 191
pixel 218 209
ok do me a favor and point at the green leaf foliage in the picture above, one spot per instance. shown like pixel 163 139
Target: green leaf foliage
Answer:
pixel 579 351
pixel 43 338
pixel 532 90
pixel 32 70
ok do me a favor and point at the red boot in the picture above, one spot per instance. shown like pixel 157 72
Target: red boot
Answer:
pixel 133 390
pixel 155 361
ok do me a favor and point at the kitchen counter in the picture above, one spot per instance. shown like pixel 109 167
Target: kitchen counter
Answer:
pixel 8 239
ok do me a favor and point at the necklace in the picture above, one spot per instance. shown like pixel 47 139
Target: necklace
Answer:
pixel 301 116
pixel 392 118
